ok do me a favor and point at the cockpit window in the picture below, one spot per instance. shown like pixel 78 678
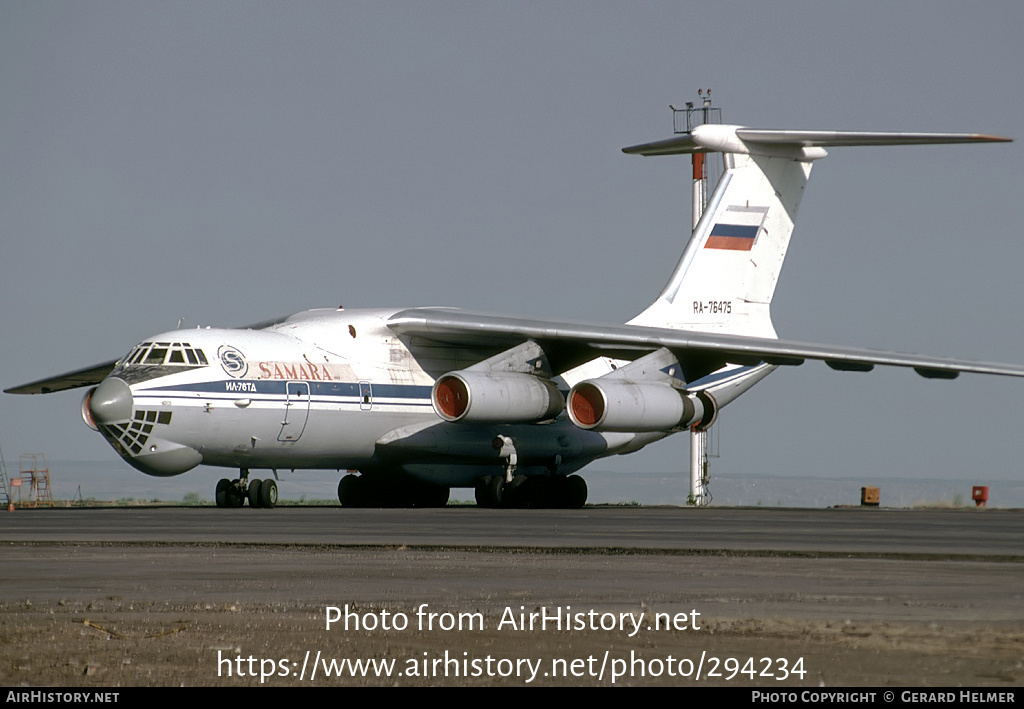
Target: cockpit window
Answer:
pixel 160 353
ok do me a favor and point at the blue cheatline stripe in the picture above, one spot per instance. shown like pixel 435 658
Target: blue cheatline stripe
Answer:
pixel 277 386
pixel 736 230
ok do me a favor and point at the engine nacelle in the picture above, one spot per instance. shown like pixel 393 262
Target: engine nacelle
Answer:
pixel 86 414
pixel 495 397
pixel 623 405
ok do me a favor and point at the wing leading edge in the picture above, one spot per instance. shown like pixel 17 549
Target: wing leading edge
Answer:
pixel 89 376
pixel 570 343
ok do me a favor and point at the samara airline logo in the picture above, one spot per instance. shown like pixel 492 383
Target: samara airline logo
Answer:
pixel 295 370
pixel 233 361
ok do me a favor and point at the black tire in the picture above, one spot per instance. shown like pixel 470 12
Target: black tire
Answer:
pixel 234 495
pixel 268 494
pixel 572 492
pixel 430 495
pixel 489 491
pixel 254 492
pixel 516 494
pixel 350 491
pixel 222 492
pixel 480 493
pixel 540 492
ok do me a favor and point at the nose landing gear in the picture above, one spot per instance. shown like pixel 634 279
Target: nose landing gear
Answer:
pixel 234 493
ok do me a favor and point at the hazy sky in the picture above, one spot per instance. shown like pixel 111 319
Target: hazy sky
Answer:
pixel 227 162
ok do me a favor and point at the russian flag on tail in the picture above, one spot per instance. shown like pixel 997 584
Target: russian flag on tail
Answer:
pixel 738 228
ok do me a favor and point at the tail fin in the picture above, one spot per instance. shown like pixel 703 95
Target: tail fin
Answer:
pixel 727 275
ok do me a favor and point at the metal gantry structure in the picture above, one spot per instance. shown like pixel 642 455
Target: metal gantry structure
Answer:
pixel 5 485
pixel 34 474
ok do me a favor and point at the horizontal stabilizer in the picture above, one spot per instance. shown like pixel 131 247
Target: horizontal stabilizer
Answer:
pixel 828 138
pixel 737 139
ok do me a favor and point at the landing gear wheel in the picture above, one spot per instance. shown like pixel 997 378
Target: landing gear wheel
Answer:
pixel 429 495
pixel 234 495
pixel 254 492
pixel 480 493
pixel 516 494
pixel 222 492
pixel 350 491
pixel 268 494
pixel 496 490
pixel 489 491
pixel 571 493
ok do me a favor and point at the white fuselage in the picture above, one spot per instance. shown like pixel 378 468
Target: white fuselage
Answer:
pixel 325 389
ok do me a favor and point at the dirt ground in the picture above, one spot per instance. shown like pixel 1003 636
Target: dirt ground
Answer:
pixel 99 616
pixel 114 642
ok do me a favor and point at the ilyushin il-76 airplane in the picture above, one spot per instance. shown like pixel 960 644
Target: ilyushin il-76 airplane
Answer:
pixel 415 401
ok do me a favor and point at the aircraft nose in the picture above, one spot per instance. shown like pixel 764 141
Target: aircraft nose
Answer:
pixel 112 401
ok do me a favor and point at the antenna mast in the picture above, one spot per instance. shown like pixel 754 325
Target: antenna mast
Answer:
pixel 696 116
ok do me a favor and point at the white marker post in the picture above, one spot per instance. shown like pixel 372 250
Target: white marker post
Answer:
pixel 698 439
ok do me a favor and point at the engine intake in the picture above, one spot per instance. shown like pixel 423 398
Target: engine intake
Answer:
pixel 86 414
pixel 622 405
pixel 495 397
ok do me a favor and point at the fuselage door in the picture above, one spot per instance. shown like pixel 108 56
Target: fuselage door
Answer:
pixel 296 411
pixel 365 396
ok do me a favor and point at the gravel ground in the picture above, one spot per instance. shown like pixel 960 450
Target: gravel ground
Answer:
pixel 145 615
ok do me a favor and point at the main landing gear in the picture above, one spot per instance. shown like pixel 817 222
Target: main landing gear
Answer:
pixel 381 491
pixel 562 492
pixel 519 491
pixel 234 493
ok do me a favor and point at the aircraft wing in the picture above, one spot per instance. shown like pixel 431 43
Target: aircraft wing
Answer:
pixel 91 376
pixel 71 380
pixel 570 343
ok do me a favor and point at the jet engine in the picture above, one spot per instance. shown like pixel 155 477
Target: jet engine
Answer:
pixel 495 397
pixel 624 405
pixel 86 414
